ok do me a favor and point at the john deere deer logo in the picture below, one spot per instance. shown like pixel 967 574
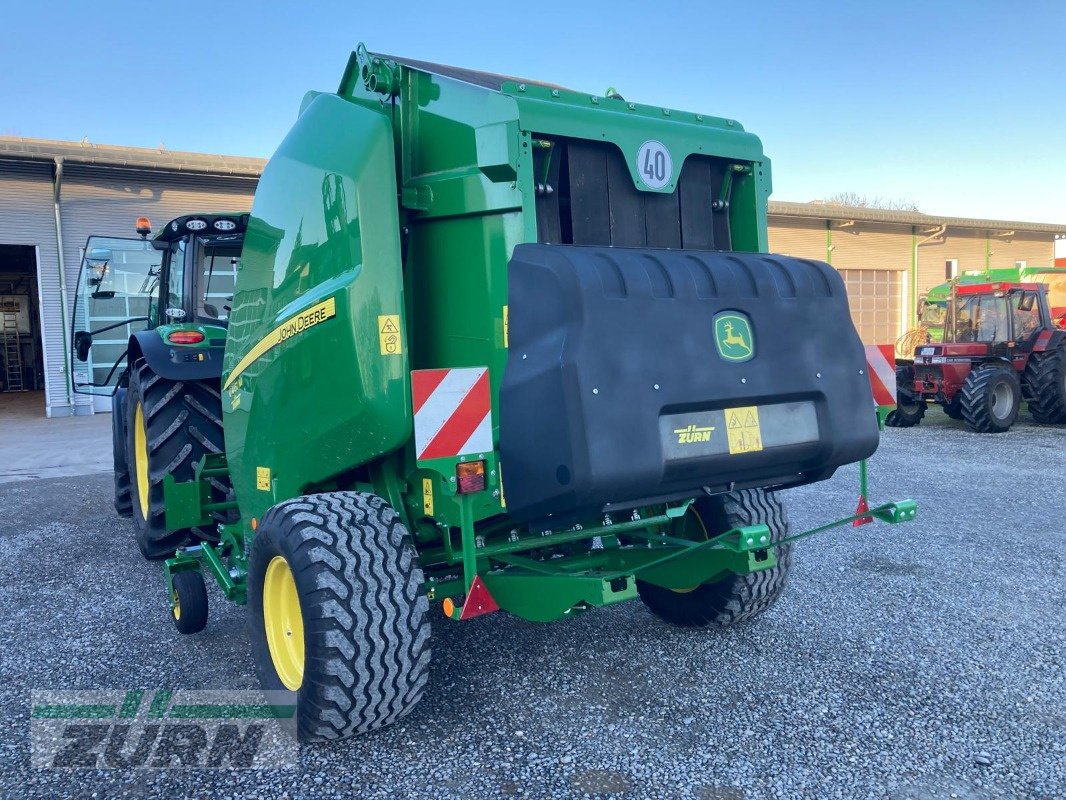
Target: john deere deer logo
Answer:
pixel 733 337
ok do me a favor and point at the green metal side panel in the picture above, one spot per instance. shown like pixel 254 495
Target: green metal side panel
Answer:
pixel 315 379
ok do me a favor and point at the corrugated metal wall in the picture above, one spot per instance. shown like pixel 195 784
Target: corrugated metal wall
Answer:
pixel 866 246
pixel 969 248
pixel 800 238
pixel 94 200
pixel 27 218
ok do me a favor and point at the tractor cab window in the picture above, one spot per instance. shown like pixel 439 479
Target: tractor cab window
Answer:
pixel 172 301
pixel 933 317
pixel 217 270
pixel 981 318
pixel 1026 312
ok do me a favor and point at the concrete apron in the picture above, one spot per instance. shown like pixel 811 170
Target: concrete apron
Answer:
pixel 33 446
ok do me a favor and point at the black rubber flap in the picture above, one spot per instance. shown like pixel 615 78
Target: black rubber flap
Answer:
pixel 635 375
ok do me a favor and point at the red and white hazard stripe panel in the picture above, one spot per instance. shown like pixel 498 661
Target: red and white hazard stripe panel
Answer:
pixel 881 360
pixel 452 413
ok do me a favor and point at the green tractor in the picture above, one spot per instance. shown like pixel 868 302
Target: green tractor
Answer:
pixel 501 346
pixel 149 331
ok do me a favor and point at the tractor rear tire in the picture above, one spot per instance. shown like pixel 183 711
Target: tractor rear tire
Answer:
pixel 734 598
pixel 190 601
pixel 1045 376
pixel 991 397
pixel 123 496
pixel 171 426
pixel 337 612
pixel 910 407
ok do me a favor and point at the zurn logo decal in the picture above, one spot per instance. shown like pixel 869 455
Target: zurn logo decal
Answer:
pixel 115 729
pixel 694 434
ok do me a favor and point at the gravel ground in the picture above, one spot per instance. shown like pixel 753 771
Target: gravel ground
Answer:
pixel 917 661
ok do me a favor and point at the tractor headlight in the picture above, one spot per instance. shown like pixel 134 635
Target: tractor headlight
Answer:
pixel 195 224
pixel 224 225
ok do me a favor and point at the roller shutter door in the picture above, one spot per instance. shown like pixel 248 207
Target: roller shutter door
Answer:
pixel 27 217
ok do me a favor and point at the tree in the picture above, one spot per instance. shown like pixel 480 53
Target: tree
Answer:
pixel 856 200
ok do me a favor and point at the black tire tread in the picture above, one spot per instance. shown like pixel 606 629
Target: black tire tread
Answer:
pixel 366 617
pixel 974 398
pixel 902 416
pixel 735 598
pixel 1043 377
pixel 183 421
pixel 192 597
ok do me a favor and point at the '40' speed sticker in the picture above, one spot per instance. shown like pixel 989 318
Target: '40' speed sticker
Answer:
pixel 654 164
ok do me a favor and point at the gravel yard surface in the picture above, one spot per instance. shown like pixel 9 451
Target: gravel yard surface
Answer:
pixel 924 660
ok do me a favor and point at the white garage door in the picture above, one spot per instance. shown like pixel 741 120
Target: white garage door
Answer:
pixel 874 297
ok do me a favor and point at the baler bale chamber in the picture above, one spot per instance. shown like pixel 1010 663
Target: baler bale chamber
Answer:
pixel 501 345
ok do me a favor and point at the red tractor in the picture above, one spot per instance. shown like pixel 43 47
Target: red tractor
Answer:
pixel 1000 346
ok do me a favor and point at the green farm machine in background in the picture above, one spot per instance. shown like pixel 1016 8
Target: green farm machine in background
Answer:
pixel 149 330
pixel 498 345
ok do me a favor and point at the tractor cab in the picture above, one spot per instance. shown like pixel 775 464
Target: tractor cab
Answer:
pixel 1002 316
pixel 164 297
pixel 999 346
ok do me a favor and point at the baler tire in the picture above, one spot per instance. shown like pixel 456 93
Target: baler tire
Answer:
pixel 978 395
pixel 190 601
pixel 735 598
pixel 182 423
pixel 121 468
pixel 1045 377
pixel 909 410
pixel 362 611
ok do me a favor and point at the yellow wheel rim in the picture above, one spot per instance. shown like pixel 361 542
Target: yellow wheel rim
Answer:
pixel 283 623
pixel 140 458
pixel 702 536
pixel 177 607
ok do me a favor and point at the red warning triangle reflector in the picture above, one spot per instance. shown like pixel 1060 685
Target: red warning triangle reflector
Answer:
pixel 478 601
pixel 862 509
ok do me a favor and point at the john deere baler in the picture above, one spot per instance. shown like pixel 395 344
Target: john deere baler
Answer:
pixel 499 345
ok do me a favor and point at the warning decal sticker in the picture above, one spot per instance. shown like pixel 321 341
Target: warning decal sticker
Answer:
pixel 389 335
pixel 742 429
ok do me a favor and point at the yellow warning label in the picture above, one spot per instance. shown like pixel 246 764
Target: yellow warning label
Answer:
pixel 389 334
pixel 427 496
pixel 505 330
pixel 742 429
pixel 262 479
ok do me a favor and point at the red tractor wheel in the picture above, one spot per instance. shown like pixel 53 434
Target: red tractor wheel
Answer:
pixel 991 397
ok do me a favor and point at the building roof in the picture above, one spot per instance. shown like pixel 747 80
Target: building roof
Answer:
pixel 17 147
pixel 835 211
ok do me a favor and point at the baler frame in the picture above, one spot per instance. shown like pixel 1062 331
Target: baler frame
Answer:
pixel 491 568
